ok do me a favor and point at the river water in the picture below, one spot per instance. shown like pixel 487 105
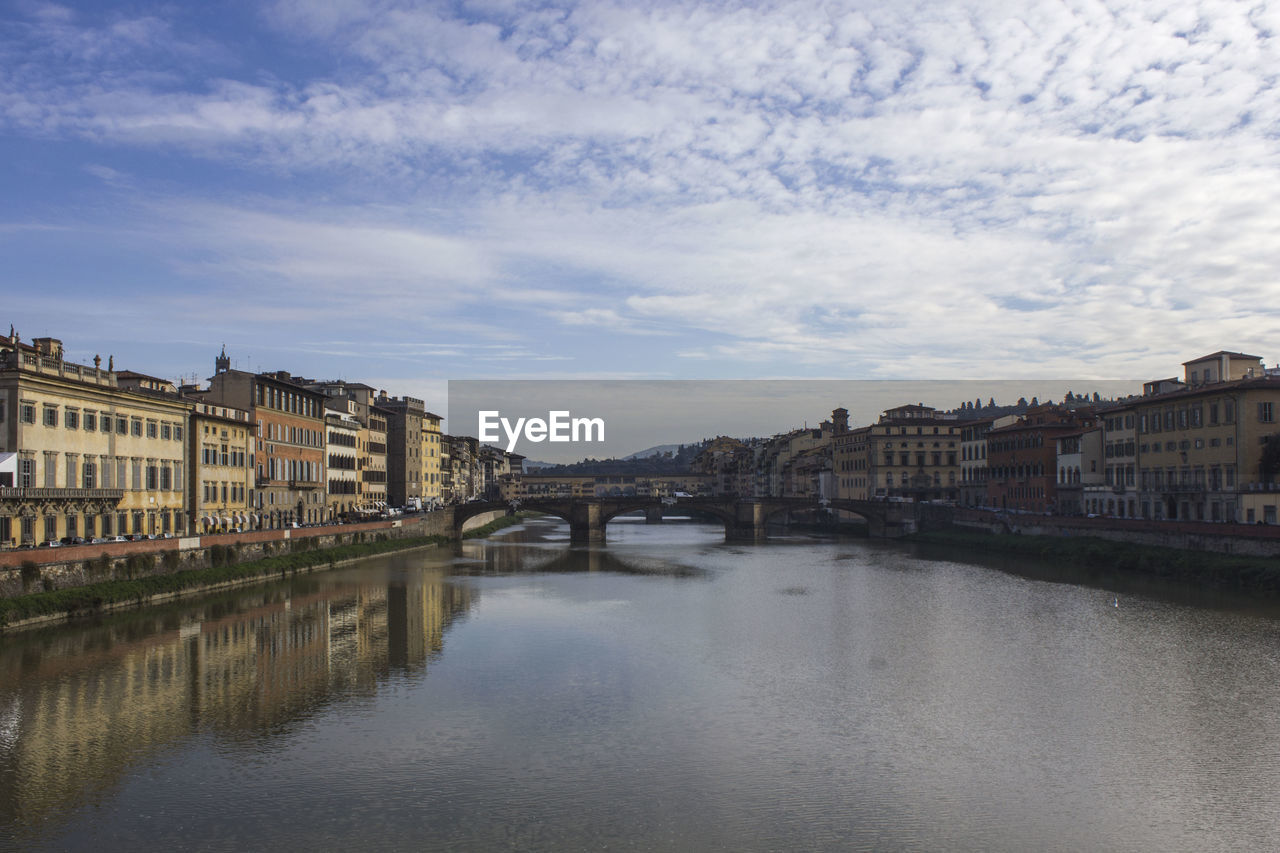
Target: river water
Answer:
pixel 664 692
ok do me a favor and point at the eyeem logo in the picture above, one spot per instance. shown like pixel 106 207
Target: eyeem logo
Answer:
pixel 559 426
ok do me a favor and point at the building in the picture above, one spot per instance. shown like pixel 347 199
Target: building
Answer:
pixel 92 458
pixel 289 440
pixel 432 459
pixel 911 452
pixel 1079 455
pixel 1022 458
pixel 1115 492
pixel 973 457
pixel 404 448
pixel 221 454
pixel 1200 442
pixel 359 402
pixel 342 443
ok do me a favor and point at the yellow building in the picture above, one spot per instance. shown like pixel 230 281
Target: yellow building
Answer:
pixel 94 458
pixel 912 451
pixel 1199 447
pixel 222 477
pixel 432 496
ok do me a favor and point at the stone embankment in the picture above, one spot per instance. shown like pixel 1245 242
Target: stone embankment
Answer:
pixel 1254 540
pixel 47 569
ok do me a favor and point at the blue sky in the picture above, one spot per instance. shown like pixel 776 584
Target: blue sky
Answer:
pixel 404 193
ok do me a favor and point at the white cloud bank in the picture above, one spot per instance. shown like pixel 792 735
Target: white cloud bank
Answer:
pixel 887 189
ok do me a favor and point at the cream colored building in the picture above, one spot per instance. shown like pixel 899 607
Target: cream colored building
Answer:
pixel 342 443
pixel 1199 447
pixel 222 473
pixel 94 458
pixel 913 452
pixel 432 454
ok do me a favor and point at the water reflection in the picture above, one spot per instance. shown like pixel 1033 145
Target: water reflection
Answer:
pixel 666 692
pixel 80 707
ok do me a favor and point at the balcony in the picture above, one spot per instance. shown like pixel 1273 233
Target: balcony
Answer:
pixel 61 494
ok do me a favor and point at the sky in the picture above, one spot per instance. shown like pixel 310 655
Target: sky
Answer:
pixel 406 193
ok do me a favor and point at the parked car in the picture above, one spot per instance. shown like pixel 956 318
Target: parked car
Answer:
pixel 117 539
pixel 73 540
pixel 52 543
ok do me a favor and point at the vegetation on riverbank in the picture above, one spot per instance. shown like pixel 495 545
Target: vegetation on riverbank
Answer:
pixel 1260 575
pixel 95 597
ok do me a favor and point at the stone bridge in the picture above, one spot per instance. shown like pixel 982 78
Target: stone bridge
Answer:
pixel 744 519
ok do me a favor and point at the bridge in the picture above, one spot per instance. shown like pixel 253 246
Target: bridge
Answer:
pixel 744 519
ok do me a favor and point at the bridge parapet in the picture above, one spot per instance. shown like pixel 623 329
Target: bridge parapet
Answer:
pixel 744 519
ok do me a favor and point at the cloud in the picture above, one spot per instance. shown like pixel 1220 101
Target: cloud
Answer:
pixel 902 188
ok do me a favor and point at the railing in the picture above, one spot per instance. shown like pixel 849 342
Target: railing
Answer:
pixel 61 494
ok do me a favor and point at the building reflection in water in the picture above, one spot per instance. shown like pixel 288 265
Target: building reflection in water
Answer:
pixel 78 708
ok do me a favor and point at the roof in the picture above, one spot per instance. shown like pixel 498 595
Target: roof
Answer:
pixel 1213 388
pixel 1227 353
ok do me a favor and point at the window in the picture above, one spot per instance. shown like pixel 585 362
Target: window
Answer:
pixel 26 473
pixel 50 416
pixel 135 428
pixel 90 421
pixel 122 426
pixel 1266 412
pixel 71 419
pixel 153 478
pixel 166 431
pixel 151 429
pixel 90 475
pixel 27 413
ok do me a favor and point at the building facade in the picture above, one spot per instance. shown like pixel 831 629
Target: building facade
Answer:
pixel 221 453
pixel 289 441
pixel 92 459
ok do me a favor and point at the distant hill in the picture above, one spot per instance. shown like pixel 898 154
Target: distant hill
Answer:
pixel 663 459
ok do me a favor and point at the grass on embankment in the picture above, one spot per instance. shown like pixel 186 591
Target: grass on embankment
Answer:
pixel 95 597
pixel 1250 574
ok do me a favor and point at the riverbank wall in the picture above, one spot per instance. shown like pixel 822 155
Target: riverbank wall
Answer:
pixel 1252 540
pixel 48 569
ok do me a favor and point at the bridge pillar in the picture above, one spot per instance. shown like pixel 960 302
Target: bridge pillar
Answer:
pixel 585 526
pixel 748 523
pixel 653 515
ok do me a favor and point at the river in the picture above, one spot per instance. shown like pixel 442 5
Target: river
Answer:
pixel 666 691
